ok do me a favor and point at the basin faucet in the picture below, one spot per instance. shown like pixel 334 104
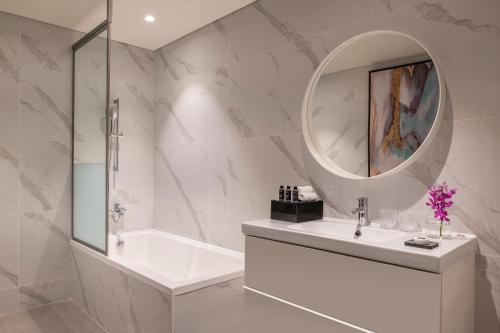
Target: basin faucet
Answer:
pixel 362 211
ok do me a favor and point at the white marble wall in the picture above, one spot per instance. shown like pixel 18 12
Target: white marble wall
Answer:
pixel 132 81
pixel 227 123
pixel 35 162
pixel 35 155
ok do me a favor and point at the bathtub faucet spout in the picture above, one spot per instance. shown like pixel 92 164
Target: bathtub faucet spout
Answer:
pixel 119 241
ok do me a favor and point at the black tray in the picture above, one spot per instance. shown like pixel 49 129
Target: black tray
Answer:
pixel 296 211
pixel 431 246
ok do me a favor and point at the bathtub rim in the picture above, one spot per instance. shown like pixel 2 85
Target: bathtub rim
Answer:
pixel 178 288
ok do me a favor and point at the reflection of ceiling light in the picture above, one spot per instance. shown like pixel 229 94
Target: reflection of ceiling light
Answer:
pixel 149 18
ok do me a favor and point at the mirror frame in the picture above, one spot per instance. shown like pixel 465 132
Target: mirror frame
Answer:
pixel 307 105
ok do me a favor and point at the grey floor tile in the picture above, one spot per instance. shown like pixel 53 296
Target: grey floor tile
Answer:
pixel 62 317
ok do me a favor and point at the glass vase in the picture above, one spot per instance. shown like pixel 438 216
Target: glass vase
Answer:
pixel 437 229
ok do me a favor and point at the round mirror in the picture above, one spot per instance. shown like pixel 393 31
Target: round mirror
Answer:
pixel 373 105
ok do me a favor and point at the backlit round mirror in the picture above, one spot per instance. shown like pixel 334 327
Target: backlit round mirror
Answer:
pixel 373 105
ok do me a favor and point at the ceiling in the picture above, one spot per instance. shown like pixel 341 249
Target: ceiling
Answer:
pixel 174 18
pixel 373 50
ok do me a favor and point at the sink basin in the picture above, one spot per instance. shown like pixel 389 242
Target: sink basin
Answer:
pixel 343 230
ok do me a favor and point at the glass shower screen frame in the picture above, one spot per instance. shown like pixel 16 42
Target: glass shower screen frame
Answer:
pixel 104 27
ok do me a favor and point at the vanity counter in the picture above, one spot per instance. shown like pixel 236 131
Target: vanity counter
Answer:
pixel 393 251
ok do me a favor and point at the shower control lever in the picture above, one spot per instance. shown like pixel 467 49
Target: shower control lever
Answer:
pixel 117 212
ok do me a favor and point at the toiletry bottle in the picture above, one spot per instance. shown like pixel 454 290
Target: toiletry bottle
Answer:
pixel 295 194
pixel 288 194
pixel 282 193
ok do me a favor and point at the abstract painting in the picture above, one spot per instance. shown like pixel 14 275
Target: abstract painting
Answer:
pixel 404 102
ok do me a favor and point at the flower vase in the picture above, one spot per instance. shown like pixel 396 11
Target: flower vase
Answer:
pixel 436 229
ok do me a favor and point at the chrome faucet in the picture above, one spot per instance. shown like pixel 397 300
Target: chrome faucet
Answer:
pixel 119 241
pixel 362 211
pixel 117 212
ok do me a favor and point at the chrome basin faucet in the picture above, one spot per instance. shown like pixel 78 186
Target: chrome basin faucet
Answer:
pixel 362 211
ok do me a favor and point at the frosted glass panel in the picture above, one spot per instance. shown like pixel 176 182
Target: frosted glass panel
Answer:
pixel 89 164
pixel 89 204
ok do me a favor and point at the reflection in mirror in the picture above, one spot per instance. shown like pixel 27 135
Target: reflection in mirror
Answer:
pixel 375 103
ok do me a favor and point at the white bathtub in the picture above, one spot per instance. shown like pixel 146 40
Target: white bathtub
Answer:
pixel 177 263
pixel 158 282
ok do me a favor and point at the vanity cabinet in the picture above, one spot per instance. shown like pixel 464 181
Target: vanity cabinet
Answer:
pixel 292 288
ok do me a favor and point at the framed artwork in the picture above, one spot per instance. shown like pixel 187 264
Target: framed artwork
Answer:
pixel 403 102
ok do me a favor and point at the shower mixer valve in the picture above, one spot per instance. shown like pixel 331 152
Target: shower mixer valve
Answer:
pixel 117 212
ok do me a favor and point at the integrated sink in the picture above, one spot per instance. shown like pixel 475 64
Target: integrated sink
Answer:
pixel 344 230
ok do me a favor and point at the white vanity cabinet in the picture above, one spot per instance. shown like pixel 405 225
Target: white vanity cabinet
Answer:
pixel 292 288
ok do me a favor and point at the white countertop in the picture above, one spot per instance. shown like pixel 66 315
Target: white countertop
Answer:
pixel 394 251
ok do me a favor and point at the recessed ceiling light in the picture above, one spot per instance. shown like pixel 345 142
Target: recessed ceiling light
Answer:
pixel 149 18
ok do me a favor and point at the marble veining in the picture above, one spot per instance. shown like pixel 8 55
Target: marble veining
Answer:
pixel 33 295
pixel 303 46
pixel 35 76
pixel 49 105
pixel 437 12
pixel 9 157
pixel 238 119
pixel 141 99
pixel 278 142
pixel 35 190
pixel 387 4
pixel 58 317
pixel 8 68
pixel 47 223
pixel 38 49
pixel 11 276
pixel 137 60
pixel 167 65
pixel 163 102
pixel 180 187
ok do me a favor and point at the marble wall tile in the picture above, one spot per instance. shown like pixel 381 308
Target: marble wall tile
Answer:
pixel 35 157
pixel 10 33
pixel 132 81
pixel 32 296
pixel 9 251
pixel 192 109
pixel 217 308
pixel 487 294
pixel 201 51
pixel 268 101
pixel 9 173
pixel 45 175
pixel 192 176
pixel 44 246
pixel 382 7
pixel 9 300
pixel 45 112
pixel 191 87
pixel 256 169
pixel 9 94
pixel 117 301
pixel 265 25
pixel 218 229
pixel 131 64
pixel 46 46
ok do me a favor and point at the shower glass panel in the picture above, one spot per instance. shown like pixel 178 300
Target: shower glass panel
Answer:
pixel 90 147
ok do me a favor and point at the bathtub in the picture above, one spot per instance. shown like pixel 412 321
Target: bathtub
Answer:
pixel 159 282
pixel 176 263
